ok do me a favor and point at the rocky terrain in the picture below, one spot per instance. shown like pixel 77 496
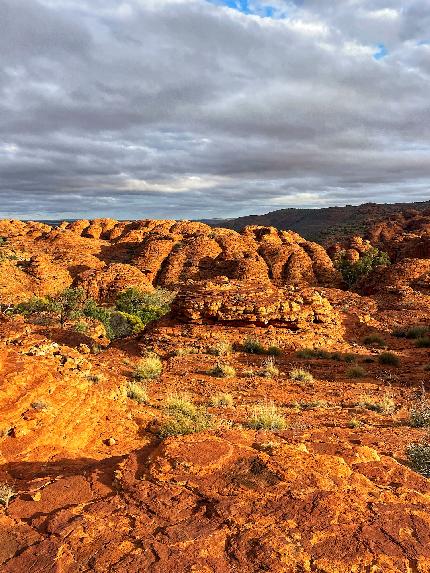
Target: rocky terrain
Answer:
pixel 272 420
pixel 328 224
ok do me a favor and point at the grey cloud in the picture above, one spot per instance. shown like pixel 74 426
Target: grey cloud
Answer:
pixel 179 108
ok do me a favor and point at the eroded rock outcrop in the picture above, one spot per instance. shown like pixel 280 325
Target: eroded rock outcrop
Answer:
pixel 249 302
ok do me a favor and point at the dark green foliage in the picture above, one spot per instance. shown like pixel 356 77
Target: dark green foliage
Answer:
pixel 423 342
pixel 353 271
pixel 3 241
pixel 147 306
pixel 413 332
pixel 67 305
pixel 388 359
pixel 253 346
pixel 33 306
pixel 419 458
pixel 274 351
pixel 374 340
pixel 419 416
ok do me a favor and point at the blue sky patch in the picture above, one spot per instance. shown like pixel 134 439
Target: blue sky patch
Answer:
pixel 381 53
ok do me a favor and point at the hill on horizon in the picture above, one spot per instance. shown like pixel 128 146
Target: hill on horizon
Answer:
pixel 325 224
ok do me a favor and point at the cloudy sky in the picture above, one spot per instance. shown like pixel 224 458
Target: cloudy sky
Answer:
pixel 198 108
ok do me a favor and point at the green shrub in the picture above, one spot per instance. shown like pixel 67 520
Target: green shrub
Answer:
pixel 181 402
pixel 178 423
pixel 67 305
pixel 6 494
pixel 356 372
pixel 3 241
pixel 253 346
pixel 266 417
pixel 419 458
pixel 274 351
pixel 81 327
pixel 384 406
pixel 388 359
pixel 423 342
pixel 223 370
pixel 34 306
pixel 354 423
pixel 269 368
pixel 220 348
pixel 148 368
pixel 222 399
pixel 310 353
pixel 411 332
pixel 353 271
pixel 137 392
pixel 301 375
pixel 122 324
pixel 374 340
pixel 148 306
pixel 419 416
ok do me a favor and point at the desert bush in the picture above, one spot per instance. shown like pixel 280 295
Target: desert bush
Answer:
pixel 6 494
pixel 122 324
pixel 253 346
pixel 148 368
pixel 419 458
pixel 310 353
pixel 411 332
pixel 353 271
pixel 148 306
pixel 178 423
pixel 269 368
pixel 181 402
pixel 221 399
pixel 374 340
pixel 220 348
pixel 356 372
pixel 273 350
pixel 317 404
pixel 67 305
pixel 267 417
pixel 419 415
pixel 137 392
pixel 301 375
pixel 354 423
pixel 223 370
pixel 3 241
pixel 384 406
pixel 423 342
pixel 388 359
pixel 81 327
pixel 35 305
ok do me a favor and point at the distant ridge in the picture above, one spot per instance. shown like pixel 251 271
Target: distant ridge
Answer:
pixel 326 224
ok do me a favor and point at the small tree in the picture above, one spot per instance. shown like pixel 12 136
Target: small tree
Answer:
pixel 148 306
pixel 353 271
pixel 67 305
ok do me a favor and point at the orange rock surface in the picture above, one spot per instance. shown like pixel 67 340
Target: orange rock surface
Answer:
pixel 95 487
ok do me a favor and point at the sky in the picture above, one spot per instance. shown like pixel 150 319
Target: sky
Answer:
pixel 196 109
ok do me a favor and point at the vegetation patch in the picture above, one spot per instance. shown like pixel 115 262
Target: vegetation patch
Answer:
pixel 266 417
pixel 223 370
pixel 301 375
pixel 6 494
pixel 177 423
pixel 148 368
pixel 389 359
pixel 221 399
pixel 419 458
pixel 354 271
pixel 356 372
pixel 374 340
pixel 419 415
pixel 137 392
